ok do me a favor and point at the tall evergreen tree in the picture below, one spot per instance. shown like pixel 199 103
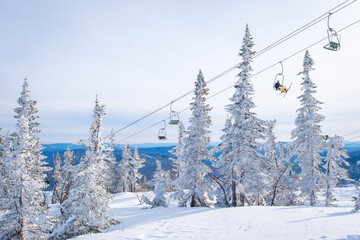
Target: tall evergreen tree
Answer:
pixel 192 185
pixel 87 208
pixel 308 141
pixel 334 165
pixel 245 129
pixel 26 212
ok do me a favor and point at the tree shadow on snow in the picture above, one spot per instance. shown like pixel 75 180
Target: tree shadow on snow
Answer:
pixel 351 237
pixel 132 216
pixel 326 216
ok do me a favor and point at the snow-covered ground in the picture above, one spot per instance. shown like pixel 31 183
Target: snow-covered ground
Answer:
pixel 299 222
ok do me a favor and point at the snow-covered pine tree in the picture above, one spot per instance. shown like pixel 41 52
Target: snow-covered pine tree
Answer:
pixel 178 152
pixel 308 141
pixel 26 212
pixel 334 165
pixel 124 170
pixel 136 163
pixel 192 185
pixel 111 173
pixel 246 128
pixel 160 186
pixel 87 208
pixel 58 181
pixel 67 172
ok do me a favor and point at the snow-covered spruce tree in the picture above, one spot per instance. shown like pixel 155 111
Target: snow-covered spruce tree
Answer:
pixel 308 141
pixel 67 172
pixel 178 152
pixel 124 170
pixel 136 163
pixel 160 186
pixel 111 173
pixel 27 108
pixel 246 128
pixel 58 182
pixel 87 210
pixel 26 212
pixel 193 186
pixel 334 165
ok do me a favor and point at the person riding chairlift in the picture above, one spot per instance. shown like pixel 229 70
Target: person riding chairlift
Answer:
pixel 279 87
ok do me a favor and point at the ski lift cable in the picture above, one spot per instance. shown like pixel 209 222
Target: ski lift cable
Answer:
pixel 257 73
pixel 351 133
pixel 287 37
pixel 352 138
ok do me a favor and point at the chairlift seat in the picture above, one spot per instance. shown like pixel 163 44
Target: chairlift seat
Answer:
pixel 333 46
pixel 174 122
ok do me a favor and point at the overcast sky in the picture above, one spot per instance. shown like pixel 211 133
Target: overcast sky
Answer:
pixel 140 55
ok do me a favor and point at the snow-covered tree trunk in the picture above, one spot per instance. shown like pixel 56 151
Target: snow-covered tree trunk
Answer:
pixel 87 208
pixel 308 141
pixel 193 186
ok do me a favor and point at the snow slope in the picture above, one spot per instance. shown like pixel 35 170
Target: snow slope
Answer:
pixel 256 222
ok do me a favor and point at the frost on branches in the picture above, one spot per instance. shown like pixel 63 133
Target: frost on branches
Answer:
pixel 177 162
pixel 192 186
pixel 334 165
pixel 25 210
pixel 160 186
pixel 278 172
pixel 58 181
pixel 124 170
pixel 136 163
pixel 86 210
pixel 111 173
pixel 308 141
pixel 243 160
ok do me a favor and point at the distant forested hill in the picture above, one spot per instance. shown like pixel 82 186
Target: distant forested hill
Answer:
pixel 153 152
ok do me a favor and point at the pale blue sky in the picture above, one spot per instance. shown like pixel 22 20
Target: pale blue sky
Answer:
pixel 139 55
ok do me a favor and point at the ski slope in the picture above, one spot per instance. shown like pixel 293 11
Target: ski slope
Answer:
pixel 257 222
